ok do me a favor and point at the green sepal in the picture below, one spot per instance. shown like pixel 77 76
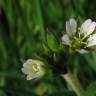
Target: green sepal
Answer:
pixel 53 42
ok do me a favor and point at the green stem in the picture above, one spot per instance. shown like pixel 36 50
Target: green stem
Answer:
pixel 74 83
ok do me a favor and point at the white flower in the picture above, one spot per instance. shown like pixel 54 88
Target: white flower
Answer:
pixel 33 69
pixel 81 38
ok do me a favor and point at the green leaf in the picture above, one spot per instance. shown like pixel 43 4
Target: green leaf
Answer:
pixel 91 90
pixel 52 42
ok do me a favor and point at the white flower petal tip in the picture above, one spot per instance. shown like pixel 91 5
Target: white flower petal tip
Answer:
pixel 71 26
pixel 86 23
pixel 65 39
pixel 88 27
pixel 91 40
pixel 33 69
pixel 82 51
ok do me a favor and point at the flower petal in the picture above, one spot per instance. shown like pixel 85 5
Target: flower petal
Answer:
pixel 29 77
pixel 24 71
pixel 91 40
pixel 71 27
pixel 39 74
pixel 65 39
pixel 88 27
pixel 91 27
pixel 82 51
pixel 86 24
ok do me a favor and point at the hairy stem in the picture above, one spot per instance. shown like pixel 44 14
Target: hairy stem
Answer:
pixel 72 80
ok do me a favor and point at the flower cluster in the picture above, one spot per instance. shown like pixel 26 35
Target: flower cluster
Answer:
pixel 80 38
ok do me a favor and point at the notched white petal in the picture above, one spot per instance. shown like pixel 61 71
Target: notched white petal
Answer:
pixel 27 62
pixel 71 26
pixel 82 51
pixel 91 40
pixel 39 74
pixel 65 39
pixel 24 70
pixel 86 24
pixel 91 27
pixel 67 27
pixel 88 27
pixel 29 77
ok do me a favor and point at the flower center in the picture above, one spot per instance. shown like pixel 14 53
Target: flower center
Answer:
pixel 35 67
pixel 76 43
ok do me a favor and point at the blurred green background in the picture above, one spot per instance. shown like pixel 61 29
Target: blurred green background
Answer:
pixel 23 27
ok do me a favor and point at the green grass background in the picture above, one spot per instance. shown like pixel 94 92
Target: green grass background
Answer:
pixel 23 27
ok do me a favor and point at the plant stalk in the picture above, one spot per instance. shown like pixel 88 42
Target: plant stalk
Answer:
pixel 72 80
